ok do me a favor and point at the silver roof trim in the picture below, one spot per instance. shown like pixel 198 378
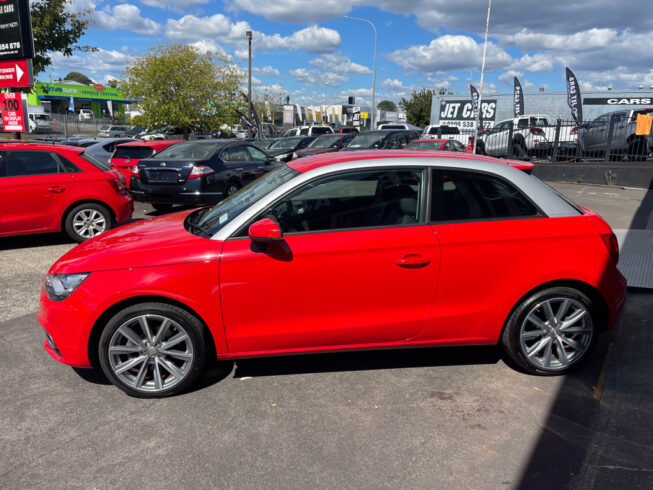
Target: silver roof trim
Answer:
pixel 541 194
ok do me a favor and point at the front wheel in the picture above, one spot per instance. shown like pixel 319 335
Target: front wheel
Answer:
pixel 551 331
pixel 87 221
pixel 152 350
pixel 232 188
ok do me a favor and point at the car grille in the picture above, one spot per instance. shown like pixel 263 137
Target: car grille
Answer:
pixel 162 175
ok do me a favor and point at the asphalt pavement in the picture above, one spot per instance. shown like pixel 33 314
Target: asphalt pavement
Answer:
pixel 430 418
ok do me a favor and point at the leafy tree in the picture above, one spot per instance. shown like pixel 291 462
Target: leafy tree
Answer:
pixel 56 28
pixel 79 77
pixel 179 86
pixel 113 83
pixel 387 105
pixel 418 107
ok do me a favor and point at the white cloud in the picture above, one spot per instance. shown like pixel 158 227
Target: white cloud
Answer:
pixel 339 63
pixel 99 62
pixel 507 77
pixel 314 77
pixel 391 84
pixel 313 39
pixel 208 46
pixel 267 71
pixel 175 5
pixel 294 10
pixel 124 16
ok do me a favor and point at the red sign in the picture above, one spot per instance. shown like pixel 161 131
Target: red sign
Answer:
pixel 14 117
pixel 99 87
pixel 16 73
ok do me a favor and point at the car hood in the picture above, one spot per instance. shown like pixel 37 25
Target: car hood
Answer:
pixel 315 151
pixel 147 243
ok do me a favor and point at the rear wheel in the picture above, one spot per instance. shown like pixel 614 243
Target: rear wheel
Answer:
pixel 87 221
pixel 152 350
pixel 162 208
pixel 232 188
pixel 551 331
pixel 519 151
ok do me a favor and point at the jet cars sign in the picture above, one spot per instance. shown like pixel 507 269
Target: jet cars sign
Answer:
pixel 460 113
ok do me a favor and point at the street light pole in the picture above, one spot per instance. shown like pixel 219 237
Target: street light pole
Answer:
pixel 480 94
pixel 373 122
pixel 249 84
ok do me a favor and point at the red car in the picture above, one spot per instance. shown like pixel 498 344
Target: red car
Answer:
pixel 50 188
pixel 438 145
pixel 343 251
pixel 127 155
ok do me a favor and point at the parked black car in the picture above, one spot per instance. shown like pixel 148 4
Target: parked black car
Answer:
pixel 197 172
pixel 282 150
pixel 382 139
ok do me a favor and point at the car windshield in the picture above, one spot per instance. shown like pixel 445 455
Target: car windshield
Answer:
pixel 187 151
pixel 369 140
pixel 225 211
pixel 43 117
pixel 133 152
pixel 324 142
pixel 286 144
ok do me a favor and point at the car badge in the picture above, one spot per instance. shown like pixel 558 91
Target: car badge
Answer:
pixel 163 164
pixel 128 160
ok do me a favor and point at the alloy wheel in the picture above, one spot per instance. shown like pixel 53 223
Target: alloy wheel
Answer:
pixel 556 333
pixel 88 223
pixel 150 353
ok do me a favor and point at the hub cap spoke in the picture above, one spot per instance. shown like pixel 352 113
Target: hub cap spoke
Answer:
pixel 89 223
pixel 556 333
pixel 151 353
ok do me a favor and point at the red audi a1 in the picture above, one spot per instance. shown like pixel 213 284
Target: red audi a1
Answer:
pixel 344 251
pixel 50 188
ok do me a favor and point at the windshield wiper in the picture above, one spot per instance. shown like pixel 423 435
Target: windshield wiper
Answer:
pixel 200 228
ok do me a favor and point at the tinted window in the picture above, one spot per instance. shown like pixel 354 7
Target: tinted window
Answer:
pixel 30 163
pixel 367 140
pixel 133 152
pixel 187 151
pixel 447 146
pixel 286 144
pixel 96 162
pixel 66 165
pixel 463 195
pixel 321 130
pixel 235 154
pixel 444 130
pixel 458 146
pixel 256 154
pixel 351 200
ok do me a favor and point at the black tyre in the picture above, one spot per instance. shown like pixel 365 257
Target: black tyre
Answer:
pixel 519 151
pixel 87 221
pixel 232 188
pixel 162 208
pixel 480 148
pixel 152 350
pixel 637 150
pixel 551 332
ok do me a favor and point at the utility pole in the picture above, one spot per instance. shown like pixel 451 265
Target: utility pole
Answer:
pixel 373 122
pixel 249 84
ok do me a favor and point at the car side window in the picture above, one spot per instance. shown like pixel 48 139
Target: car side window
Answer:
pixel 392 142
pixel 256 154
pixel 236 154
pixel 461 195
pixel 522 123
pixel 66 166
pixel 24 163
pixel 368 199
pixel 458 146
pixel 447 146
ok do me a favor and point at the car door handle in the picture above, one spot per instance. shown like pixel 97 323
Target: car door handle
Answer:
pixel 413 261
pixel 56 189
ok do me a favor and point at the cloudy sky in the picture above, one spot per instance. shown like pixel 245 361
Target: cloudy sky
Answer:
pixel 306 48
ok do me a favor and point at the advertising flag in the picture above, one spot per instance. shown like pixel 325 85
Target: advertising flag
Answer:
pixel 475 109
pixel 573 96
pixel 518 104
pixel 71 104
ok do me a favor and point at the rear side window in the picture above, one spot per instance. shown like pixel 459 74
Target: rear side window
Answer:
pixel 321 130
pixel 133 152
pixel 24 163
pixel 463 195
pixel 105 167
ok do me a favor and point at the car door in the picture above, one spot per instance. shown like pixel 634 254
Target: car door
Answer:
pixel 33 190
pixel 357 266
pixel 239 162
pixel 593 138
pixel 496 141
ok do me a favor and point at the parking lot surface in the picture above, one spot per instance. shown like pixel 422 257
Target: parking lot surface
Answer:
pixel 430 418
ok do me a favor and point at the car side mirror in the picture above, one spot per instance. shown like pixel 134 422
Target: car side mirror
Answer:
pixel 265 230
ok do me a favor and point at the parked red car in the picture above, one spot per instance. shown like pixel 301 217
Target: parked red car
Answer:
pixel 438 145
pixel 343 251
pixel 49 188
pixel 127 155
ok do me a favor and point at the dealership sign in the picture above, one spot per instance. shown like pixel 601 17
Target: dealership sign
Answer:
pixel 17 73
pixel 15 30
pixel 618 101
pixel 460 113
pixel 14 112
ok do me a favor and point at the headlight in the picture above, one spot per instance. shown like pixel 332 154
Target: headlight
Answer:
pixel 279 158
pixel 59 286
pixel 294 155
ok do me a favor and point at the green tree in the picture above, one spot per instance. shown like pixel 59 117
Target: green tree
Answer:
pixel 113 83
pixel 418 107
pixel 79 77
pixel 387 105
pixel 179 86
pixel 56 29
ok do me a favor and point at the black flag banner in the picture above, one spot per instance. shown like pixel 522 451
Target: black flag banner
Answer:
pixel 475 99
pixel 573 96
pixel 518 103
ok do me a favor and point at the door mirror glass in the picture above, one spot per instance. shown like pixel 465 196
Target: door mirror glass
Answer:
pixel 265 230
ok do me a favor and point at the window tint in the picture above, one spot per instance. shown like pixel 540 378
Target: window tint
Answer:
pixel 447 146
pixel 236 154
pixel 133 152
pixel 303 131
pixel 20 163
pixel 458 146
pixel 105 167
pixel 256 154
pixel 463 195
pixel 321 130
pixel 183 151
pixel 351 200
pixel 522 124
pixel 66 165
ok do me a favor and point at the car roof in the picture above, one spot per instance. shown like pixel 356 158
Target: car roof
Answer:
pixel 310 163
pixel 156 144
pixel 41 146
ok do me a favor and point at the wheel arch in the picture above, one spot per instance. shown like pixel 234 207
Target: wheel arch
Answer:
pixel 603 311
pixel 73 205
pixel 96 331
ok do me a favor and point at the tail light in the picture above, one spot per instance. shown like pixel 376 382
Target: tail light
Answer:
pixel 200 171
pixel 119 185
pixel 574 130
pixel 135 171
pixel 537 131
pixel 470 140
pixel 612 245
